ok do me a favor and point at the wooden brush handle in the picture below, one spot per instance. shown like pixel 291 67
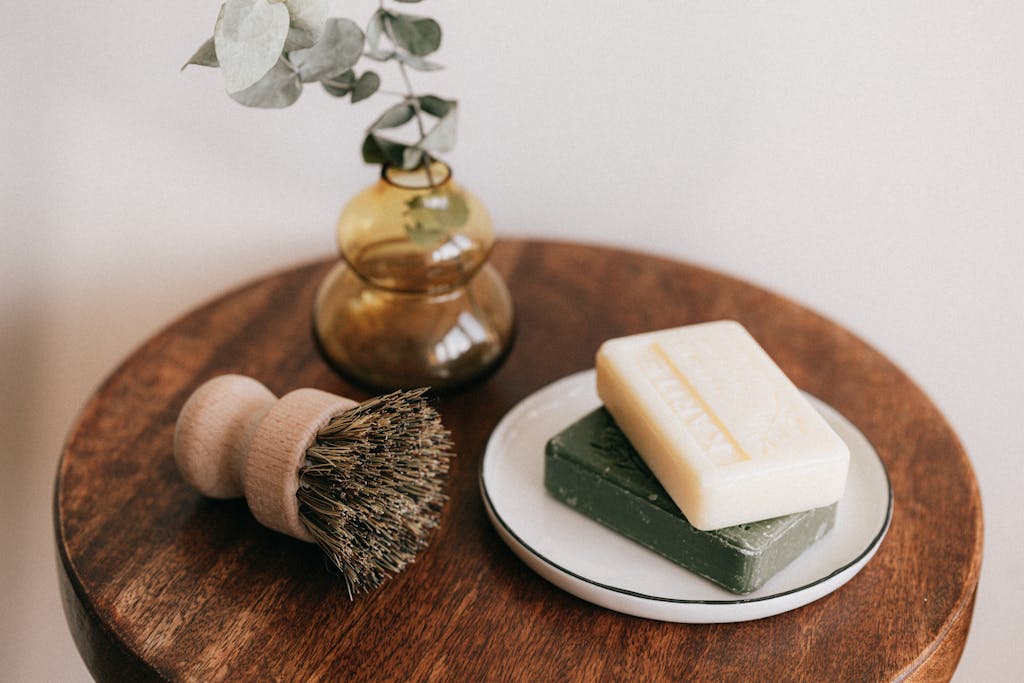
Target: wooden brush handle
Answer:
pixel 234 437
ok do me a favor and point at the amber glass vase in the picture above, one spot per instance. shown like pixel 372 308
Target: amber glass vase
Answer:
pixel 413 301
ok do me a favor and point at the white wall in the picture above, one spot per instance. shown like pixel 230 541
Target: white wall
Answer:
pixel 864 158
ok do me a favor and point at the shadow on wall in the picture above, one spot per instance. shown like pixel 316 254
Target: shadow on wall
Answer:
pixel 61 334
pixel 28 454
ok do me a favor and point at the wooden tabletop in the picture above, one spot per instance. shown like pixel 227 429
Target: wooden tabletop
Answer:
pixel 160 583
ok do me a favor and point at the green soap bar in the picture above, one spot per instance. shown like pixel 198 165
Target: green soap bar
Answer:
pixel 592 467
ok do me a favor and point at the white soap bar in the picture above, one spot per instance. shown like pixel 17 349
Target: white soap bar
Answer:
pixel 727 434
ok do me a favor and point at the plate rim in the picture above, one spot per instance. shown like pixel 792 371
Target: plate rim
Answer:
pixel 861 557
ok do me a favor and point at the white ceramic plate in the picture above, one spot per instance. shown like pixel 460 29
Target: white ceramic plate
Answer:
pixel 600 566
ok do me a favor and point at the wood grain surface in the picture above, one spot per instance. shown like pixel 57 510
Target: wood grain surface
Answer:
pixel 161 583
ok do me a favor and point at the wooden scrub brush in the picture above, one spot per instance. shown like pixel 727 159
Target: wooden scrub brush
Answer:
pixel 364 481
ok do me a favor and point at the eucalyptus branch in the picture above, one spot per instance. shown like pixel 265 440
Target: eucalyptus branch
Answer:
pixel 269 49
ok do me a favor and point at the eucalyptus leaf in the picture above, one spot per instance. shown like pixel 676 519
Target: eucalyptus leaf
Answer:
pixel 380 55
pixel 436 106
pixel 337 50
pixel 374 30
pixel 397 115
pixel 441 138
pixel 412 158
pixel 206 55
pixel 306 25
pixel 340 85
pixel 423 236
pixel 367 84
pixel 279 88
pixel 413 61
pixel 380 150
pixel 418 35
pixel 249 37
pixel 439 211
pixel 435 215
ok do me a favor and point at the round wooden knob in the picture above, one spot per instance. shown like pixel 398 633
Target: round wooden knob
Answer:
pixel 233 437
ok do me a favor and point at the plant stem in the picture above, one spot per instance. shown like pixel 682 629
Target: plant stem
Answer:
pixel 427 159
pixel 413 100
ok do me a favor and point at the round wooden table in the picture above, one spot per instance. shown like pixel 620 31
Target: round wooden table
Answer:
pixel 161 583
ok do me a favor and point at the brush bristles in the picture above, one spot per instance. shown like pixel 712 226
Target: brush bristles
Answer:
pixel 372 486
